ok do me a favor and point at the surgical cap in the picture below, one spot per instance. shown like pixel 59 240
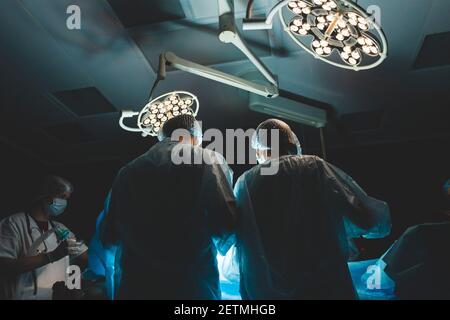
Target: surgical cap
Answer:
pixel 52 186
pixel 288 141
pixel 184 121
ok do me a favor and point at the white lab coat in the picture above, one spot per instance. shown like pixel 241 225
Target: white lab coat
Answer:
pixel 15 242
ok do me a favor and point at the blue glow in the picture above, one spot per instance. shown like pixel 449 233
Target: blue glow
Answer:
pixel 102 262
pixel 358 271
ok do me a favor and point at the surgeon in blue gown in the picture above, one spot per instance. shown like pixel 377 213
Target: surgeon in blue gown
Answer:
pixel 171 217
pixel 294 226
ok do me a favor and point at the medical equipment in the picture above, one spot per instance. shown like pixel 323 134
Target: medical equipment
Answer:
pixel 338 32
pixel 335 31
pixel 228 33
pixel 290 110
pixel 155 113
pixel 152 117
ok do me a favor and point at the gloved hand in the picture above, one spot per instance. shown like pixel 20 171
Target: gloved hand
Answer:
pixel 60 252
pixel 75 248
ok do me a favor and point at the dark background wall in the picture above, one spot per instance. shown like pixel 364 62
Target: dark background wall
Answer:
pixel 408 175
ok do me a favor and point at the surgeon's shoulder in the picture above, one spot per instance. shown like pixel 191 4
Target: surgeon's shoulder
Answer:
pixel 311 161
pixel 311 158
pixel 125 170
pixel 244 176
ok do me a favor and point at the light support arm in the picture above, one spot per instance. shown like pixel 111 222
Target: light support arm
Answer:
pixel 269 90
pixel 264 24
pixel 228 34
pixel 128 114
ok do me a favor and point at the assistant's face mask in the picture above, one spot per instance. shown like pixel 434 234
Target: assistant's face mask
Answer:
pixel 56 207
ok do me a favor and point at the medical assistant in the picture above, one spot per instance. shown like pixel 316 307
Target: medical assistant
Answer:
pixel 20 236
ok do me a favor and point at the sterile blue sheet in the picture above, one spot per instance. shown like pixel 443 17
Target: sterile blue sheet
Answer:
pixel 359 273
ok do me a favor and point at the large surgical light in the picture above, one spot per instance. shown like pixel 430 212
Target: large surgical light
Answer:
pixel 338 32
pixel 155 113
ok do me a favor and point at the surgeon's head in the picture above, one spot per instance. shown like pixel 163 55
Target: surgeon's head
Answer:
pixel 52 195
pixel 184 129
pixel 274 138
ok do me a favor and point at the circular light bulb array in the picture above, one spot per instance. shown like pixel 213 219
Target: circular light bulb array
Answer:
pixel 324 27
pixel 165 107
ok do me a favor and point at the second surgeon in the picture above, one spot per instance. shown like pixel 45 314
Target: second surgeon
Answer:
pixel 293 227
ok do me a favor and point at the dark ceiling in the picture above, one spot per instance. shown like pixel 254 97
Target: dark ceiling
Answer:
pixel 61 89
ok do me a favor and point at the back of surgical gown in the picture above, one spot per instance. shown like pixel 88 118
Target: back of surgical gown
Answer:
pixel 293 229
pixel 165 216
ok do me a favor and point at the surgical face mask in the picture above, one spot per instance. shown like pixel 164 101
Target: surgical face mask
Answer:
pixel 56 207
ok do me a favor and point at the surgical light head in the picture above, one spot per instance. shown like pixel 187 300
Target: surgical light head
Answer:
pixel 335 31
pixel 338 32
pixel 151 118
pixel 284 142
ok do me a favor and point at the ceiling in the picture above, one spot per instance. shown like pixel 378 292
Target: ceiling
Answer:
pixel 61 89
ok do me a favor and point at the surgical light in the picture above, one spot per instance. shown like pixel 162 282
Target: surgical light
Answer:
pixel 156 112
pixel 338 32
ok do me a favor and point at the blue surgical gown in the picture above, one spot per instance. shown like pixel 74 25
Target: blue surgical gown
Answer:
pixel 294 227
pixel 166 217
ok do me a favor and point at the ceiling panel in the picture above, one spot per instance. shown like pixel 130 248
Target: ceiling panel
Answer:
pixel 435 51
pixel 69 133
pixel 143 12
pixel 85 101
pixel 33 54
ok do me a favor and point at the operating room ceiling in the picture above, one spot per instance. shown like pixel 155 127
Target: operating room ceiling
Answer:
pixel 61 89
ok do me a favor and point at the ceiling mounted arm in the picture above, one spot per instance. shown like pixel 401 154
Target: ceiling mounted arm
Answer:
pixel 263 24
pixel 228 34
pixel 269 90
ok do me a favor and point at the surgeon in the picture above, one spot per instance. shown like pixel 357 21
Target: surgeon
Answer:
pixel 171 209
pixel 295 222
pixel 35 250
